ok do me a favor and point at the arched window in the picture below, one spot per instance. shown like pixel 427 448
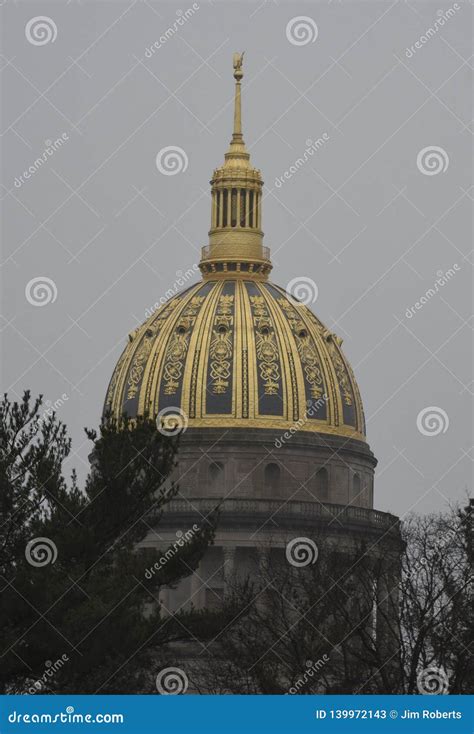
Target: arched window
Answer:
pixel 322 483
pixel 356 486
pixel 216 474
pixel 271 477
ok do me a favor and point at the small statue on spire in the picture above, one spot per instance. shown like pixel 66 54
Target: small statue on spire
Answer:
pixel 238 59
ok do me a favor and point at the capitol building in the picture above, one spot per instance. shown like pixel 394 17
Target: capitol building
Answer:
pixel 271 418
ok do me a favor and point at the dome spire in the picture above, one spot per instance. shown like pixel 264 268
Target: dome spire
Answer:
pixel 238 74
pixel 237 156
pixel 236 238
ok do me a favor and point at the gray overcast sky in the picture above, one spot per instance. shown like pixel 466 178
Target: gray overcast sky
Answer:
pixel 369 218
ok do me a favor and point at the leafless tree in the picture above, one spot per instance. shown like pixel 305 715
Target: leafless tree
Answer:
pixel 355 621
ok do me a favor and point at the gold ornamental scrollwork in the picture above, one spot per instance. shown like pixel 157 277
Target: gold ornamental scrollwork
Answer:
pixel 152 330
pixel 220 351
pixel 339 366
pixel 266 347
pixel 177 348
pixel 138 364
pixel 306 350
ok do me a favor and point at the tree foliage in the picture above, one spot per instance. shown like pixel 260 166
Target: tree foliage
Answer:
pixel 74 586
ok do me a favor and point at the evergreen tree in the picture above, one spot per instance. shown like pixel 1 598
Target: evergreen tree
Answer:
pixel 78 613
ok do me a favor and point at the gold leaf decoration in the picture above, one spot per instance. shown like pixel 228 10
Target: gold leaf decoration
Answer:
pixel 152 329
pixel 306 350
pixel 267 350
pixel 178 346
pixel 220 351
pixel 138 364
pixel 339 366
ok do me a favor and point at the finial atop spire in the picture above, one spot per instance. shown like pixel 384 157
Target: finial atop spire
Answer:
pixel 238 59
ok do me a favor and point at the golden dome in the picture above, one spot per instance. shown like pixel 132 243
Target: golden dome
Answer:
pixel 235 350
pixel 238 353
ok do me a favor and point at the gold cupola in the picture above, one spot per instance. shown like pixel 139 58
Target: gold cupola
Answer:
pixel 236 237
